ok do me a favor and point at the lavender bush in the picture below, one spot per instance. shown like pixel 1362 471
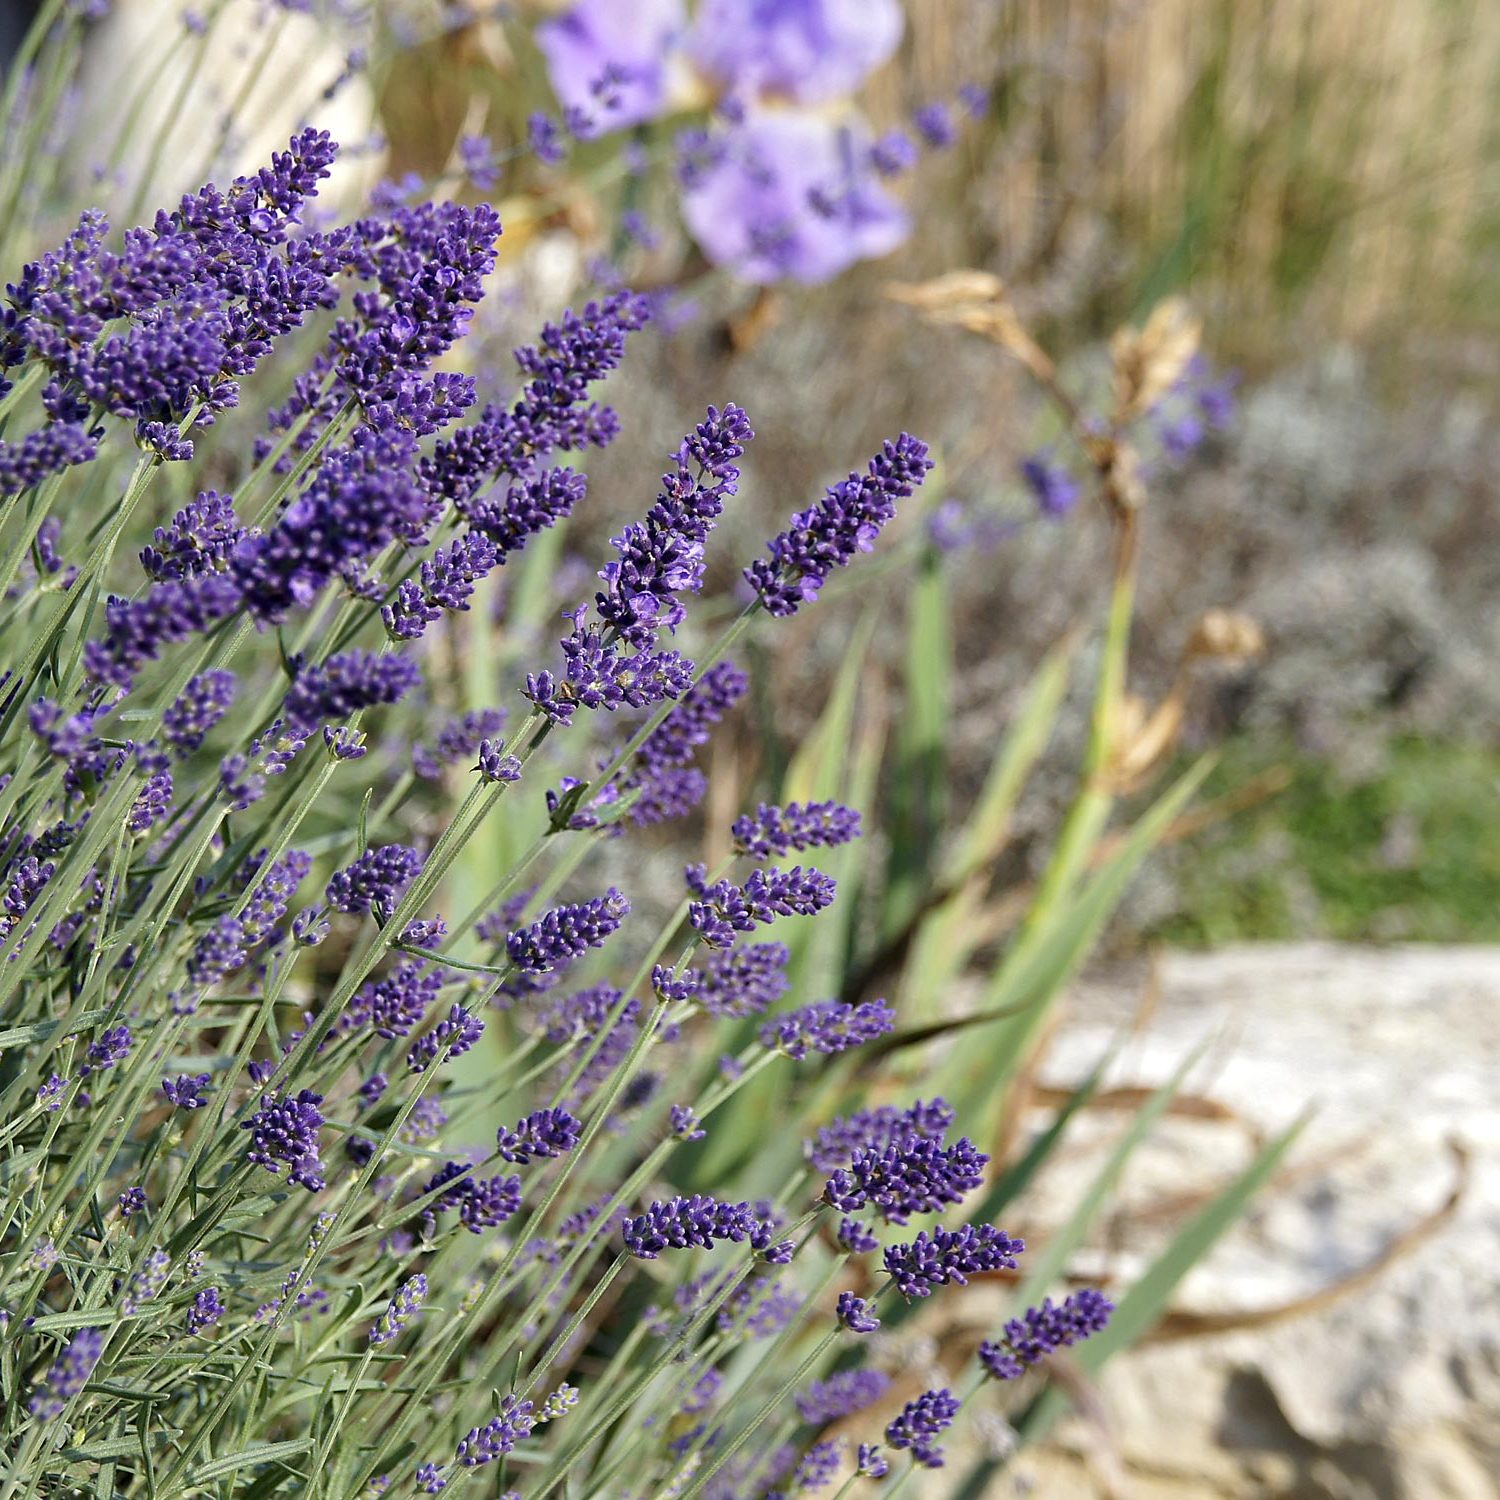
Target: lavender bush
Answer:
pixel 358 1138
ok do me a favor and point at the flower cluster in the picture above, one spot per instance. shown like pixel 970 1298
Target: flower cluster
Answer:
pixel 723 908
pixel 1040 1331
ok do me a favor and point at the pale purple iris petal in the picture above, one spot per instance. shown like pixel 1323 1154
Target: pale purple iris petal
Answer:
pixel 790 199
pixel 805 50
pixel 610 59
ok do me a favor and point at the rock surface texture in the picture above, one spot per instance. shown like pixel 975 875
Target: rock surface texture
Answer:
pixel 1388 1392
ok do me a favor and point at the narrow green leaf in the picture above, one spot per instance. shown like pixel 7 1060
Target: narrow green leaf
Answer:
pixel 1044 1265
pixel 919 787
pixel 256 1453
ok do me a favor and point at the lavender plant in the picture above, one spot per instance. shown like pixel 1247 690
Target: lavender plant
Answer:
pixel 360 1134
pixel 257 1236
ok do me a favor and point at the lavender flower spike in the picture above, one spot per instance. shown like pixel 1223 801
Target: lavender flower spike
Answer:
pixel 846 521
pixel 404 1306
pixel 827 1027
pixel 68 1375
pixel 724 908
pixel 949 1255
pixel 566 932
pixel 1040 1331
pixel 920 1422
pixel 698 1222
pixel 776 831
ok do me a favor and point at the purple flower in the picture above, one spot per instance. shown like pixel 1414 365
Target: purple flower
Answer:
pixel 739 981
pixel 920 1422
pixel 498 1436
pixel 68 1375
pixel 375 881
pixel 788 196
pixel 818 1466
pixel 201 537
pixel 545 139
pixel 915 1177
pixel 543 1133
pixel 49 1095
pixel 203 702
pixel 935 125
pixel 205 1311
pixel 347 683
pixel 448 579
pixel 775 831
pixel 186 1090
pixel 47 451
pixel 697 1222
pixel 132 1201
pixel 429 1479
pixel 153 804
pixel 836 1143
pixel 495 764
pixel 566 933
pixel 684 1123
pixel 285 1130
pixel 845 522
pixel 949 1255
pixel 394 1006
pixel 894 153
pixel 147 1283
pixel 841 1395
pixel 477 157
pixel 111 1047
pixel 403 1307
pixel 869 1464
pixel 855 1237
pixel 610 62
pixel 827 1027
pixel 724 908
pixel 1039 1331
pixel 855 1314
pixel 809 51
pixel 456 1033
pixel 1054 488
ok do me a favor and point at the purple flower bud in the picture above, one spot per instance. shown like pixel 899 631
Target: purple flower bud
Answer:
pixel 697 1222
pixel 775 831
pixel 132 1201
pixel 566 933
pixel 375 881
pixel 186 1090
pixel 456 1033
pixel 725 908
pixel 543 1133
pixel 829 534
pixel 285 1130
pixel 498 1436
pixel 68 1375
pixel 949 1255
pixel 920 1422
pixel 205 1311
pixel 916 1177
pixel 1040 1331
pixel 1055 489
pixel 684 1123
pixel 855 1314
pixel 404 1306
pixel 829 1026
pixel 841 1395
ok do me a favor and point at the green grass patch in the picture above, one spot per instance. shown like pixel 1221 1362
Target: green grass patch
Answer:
pixel 1409 851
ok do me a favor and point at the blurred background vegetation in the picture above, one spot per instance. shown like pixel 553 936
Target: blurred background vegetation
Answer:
pixel 1320 180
